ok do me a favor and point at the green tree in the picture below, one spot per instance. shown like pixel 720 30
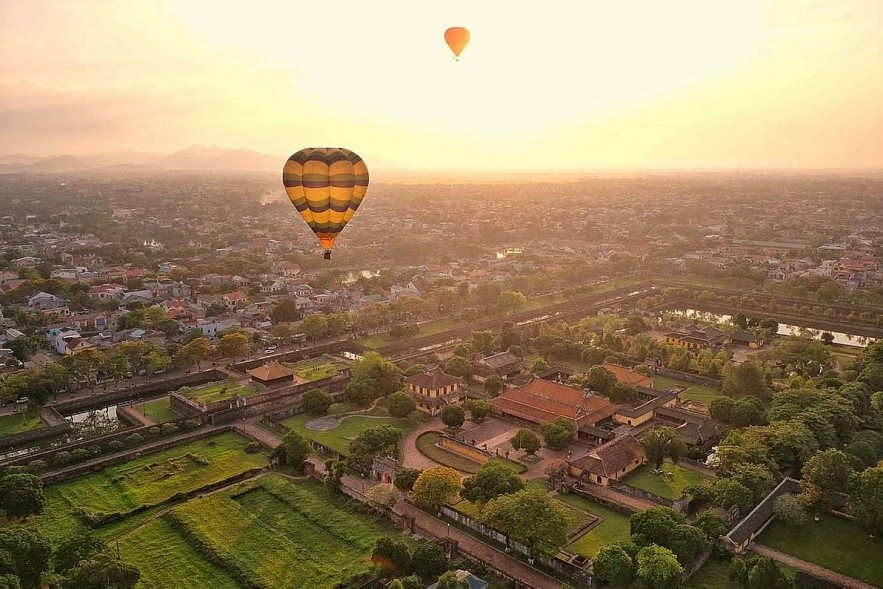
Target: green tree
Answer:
pixel 449 580
pixel 316 402
pixel 296 449
pixel 381 440
pixel 824 475
pixel 758 572
pixel 382 496
pixel 558 433
pixel 24 553
pixel 391 554
pixel 866 501
pixel 788 508
pixel 409 581
pixel 510 301
pixel 729 492
pixel 661 443
pixel 529 517
pixel 8 581
pixel 687 542
pixel 315 326
pixel 493 385
pixel 401 405
pixel 453 416
pixel 195 352
pixel 101 572
pixel 285 312
pixel 74 549
pixel 525 439
pixel 613 565
pixel 658 568
pixel 405 478
pixel 538 365
pixel 436 486
pixel 746 379
pixel 429 560
pixel 460 367
pixel 233 345
pixel 374 367
pixel 483 341
pixel 21 495
pixel 479 409
pixel 711 524
pixel 600 380
pixel 653 526
pixel 492 480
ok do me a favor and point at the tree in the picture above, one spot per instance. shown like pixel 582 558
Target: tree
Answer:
pixel 866 501
pixel 687 542
pixel 483 342
pixel 558 433
pixel 8 581
pixel 600 380
pixel 391 554
pixel 285 312
pixel 827 338
pixel 381 440
pixel 493 385
pixel 315 325
pixel 233 345
pixel 460 367
pixel 538 365
pixel 740 321
pixel 758 572
pixel 746 379
pixel 653 526
pixel 24 553
pixel 529 517
pixel 824 475
pixel 374 367
pixel 658 568
pixel 525 439
pixel 436 486
pixel 729 492
pixel 429 559
pixel 74 549
pixel 295 448
pixel 453 416
pixel 449 580
pixel 21 495
pixel 711 524
pixel 382 496
pixel 401 405
pixel 613 565
pixel 788 508
pixel 479 409
pixel 101 572
pixel 316 402
pixel 661 443
pixel 195 351
pixel 405 478
pixel 361 391
pixel 510 301
pixel 492 480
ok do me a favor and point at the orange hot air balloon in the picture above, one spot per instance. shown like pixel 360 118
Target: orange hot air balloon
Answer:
pixel 457 39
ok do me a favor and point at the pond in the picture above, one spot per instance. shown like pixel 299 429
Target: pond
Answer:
pixel 845 339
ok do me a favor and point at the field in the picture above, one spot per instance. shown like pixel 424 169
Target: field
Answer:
pixel 834 543
pixel 692 392
pixel 219 391
pixel 670 488
pixel 316 369
pixel 426 445
pixel 19 422
pixel 149 480
pixel 340 437
pixel 614 528
pixel 158 410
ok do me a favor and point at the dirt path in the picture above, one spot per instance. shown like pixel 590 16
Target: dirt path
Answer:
pixel 812 569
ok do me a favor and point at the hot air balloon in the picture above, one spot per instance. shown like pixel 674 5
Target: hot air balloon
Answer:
pixel 457 38
pixel 326 185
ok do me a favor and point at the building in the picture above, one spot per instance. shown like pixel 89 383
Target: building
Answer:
pixel 434 390
pixel 693 427
pixel 504 365
pixel 629 376
pixel 695 338
pixel 271 373
pixel 610 461
pixel 743 338
pixel 540 402
pixel 43 301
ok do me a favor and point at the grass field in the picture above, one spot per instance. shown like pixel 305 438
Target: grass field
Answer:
pixel 834 543
pixel 426 445
pixel 282 534
pixel 158 410
pixel 693 392
pixel 316 368
pixel 148 480
pixel 614 528
pixel 340 437
pixel 19 422
pixel 670 488
pixel 219 392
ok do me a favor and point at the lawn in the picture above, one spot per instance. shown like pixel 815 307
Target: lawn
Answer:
pixel 834 543
pixel 426 445
pixel 614 528
pixel 662 485
pixel 283 534
pixel 19 422
pixel 340 437
pixel 159 410
pixel 428 328
pixel 219 391
pixel 148 480
pixel 316 369
pixel 692 392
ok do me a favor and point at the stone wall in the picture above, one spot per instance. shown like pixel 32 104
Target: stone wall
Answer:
pixel 464 449
pixel 687 376
pixel 34 435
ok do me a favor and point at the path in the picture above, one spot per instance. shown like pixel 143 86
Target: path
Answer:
pixel 251 430
pixel 808 567
pixel 617 497
pixel 414 458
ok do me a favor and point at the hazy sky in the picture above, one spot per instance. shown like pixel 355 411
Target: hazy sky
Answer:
pixel 543 85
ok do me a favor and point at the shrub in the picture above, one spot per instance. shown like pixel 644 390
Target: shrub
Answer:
pixel 253 448
pixel 36 465
pixel 336 409
pixel 134 439
pixel 116 445
pixel 190 424
pixel 168 428
pixel 79 455
pixel 94 449
pixel 154 431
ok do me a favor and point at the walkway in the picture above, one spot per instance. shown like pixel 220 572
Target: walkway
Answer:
pixel 253 431
pixel 477 548
pixel 808 567
pixel 414 458
pixel 617 497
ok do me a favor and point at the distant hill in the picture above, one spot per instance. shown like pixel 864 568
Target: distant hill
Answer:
pixel 194 158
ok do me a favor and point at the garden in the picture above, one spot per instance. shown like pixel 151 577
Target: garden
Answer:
pixel 613 528
pixel 426 445
pixel 19 422
pixel 690 392
pixel 159 410
pixel 339 438
pixel 670 484
pixel 218 391
pixel 317 368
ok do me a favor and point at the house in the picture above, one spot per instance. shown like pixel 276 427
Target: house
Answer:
pixel 629 376
pixel 140 335
pixel 271 373
pixel 90 321
pixel 637 414
pixel 408 291
pixel 107 292
pixel 26 262
pixel 234 299
pixel 211 327
pixel 69 341
pixel 540 401
pixel 434 390
pixel 144 297
pixel 695 338
pixel 471 580
pixel 43 301
pixel 610 461
pixel 503 364
pixel 693 427
pixel 744 338
pixel 290 269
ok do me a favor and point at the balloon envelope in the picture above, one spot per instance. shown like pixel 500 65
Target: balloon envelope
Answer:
pixel 326 185
pixel 457 38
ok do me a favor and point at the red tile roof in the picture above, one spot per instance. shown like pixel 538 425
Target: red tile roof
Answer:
pixel 541 401
pixel 629 376
pixel 270 371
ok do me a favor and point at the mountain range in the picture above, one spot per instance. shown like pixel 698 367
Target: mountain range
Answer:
pixel 194 158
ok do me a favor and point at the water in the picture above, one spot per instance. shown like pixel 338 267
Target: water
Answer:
pixel 844 339
pixel 108 414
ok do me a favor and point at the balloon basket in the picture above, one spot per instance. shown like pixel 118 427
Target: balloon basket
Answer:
pixel 327 254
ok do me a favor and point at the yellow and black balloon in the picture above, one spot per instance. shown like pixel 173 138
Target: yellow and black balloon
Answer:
pixel 326 185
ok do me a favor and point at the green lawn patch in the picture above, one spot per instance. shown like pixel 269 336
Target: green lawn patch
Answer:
pixel 691 392
pixel 219 391
pixel 614 528
pixel 147 480
pixel 426 445
pixel 834 543
pixel 316 369
pixel 19 422
pixel 159 410
pixel 663 485
pixel 285 534
pixel 340 437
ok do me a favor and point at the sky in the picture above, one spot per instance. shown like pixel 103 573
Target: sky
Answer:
pixel 552 86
